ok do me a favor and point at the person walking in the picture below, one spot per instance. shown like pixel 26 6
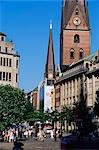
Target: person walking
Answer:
pixel 55 134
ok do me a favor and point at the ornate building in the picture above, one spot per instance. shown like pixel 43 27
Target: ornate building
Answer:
pixel 9 62
pixel 84 73
pixel 75 32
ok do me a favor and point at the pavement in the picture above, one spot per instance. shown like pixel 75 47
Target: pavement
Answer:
pixel 50 144
pixel 32 144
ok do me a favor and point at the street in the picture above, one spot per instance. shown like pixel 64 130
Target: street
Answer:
pixel 50 144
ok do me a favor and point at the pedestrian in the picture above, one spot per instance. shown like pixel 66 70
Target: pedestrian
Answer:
pixel 78 135
pixel 55 136
pixel 14 134
pixel 17 146
pixel 52 134
pixel 60 134
pixel 41 135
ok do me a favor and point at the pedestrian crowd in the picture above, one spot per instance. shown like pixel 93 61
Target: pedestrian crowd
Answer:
pixel 37 132
pixel 12 134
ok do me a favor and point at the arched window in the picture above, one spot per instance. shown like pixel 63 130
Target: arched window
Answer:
pixel 77 12
pixel 72 53
pixel 76 39
pixel 81 53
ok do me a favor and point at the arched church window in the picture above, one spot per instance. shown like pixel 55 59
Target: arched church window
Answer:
pixel 72 53
pixel 81 53
pixel 76 39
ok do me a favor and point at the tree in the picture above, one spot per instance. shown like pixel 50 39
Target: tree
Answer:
pixel 83 115
pixel 96 108
pixel 14 106
pixel 36 116
pixel 66 117
pixel 67 114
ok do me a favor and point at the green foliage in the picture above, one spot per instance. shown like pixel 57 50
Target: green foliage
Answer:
pixel 13 105
pixel 67 114
pixel 52 116
pixel 80 107
pixel 36 115
pixel 83 115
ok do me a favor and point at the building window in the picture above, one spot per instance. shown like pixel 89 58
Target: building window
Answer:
pixel 10 62
pixel 9 76
pixel 0 75
pixel 77 12
pixel 81 53
pixel 7 61
pixel 3 61
pixel 0 48
pixel 17 62
pixel 3 76
pixel 72 54
pixel 87 65
pixel 16 78
pixel 6 49
pixel 2 38
pixel 76 39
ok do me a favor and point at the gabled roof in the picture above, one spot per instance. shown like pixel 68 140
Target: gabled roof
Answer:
pixel 3 34
pixel 68 8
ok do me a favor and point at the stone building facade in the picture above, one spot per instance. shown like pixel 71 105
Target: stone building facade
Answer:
pixel 84 73
pixel 92 80
pixel 9 62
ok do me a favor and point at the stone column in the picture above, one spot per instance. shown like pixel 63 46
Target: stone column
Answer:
pixel 76 89
pixel 87 82
pixel 72 92
pixel 93 90
pixel 79 88
pixel 65 93
pixel 69 92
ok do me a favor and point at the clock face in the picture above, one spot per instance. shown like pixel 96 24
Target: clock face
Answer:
pixel 77 21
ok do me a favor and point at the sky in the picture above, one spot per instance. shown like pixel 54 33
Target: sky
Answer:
pixel 26 22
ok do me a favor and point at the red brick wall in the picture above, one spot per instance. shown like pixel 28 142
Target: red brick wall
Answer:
pixel 68 43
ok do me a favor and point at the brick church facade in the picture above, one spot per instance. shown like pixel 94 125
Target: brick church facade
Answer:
pixel 75 32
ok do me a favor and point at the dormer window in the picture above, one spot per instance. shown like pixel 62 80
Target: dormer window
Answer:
pixel 72 54
pixel 76 39
pixel 2 38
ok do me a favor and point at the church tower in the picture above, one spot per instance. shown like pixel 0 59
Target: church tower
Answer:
pixel 50 64
pixel 75 32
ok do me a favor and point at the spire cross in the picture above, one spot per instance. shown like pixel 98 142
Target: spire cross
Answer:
pixel 50 24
